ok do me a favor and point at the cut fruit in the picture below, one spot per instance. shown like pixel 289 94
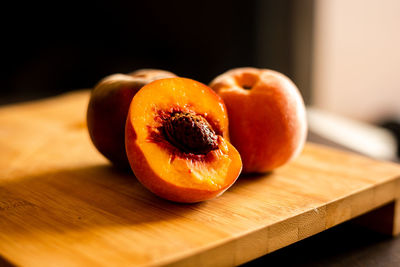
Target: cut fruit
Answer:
pixel 176 140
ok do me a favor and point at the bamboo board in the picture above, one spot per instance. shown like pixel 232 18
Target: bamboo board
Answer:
pixel 63 204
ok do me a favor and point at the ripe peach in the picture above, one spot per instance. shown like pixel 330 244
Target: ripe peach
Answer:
pixel 267 119
pixel 108 108
pixel 176 141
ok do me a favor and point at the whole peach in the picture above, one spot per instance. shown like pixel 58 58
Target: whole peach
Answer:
pixel 108 108
pixel 267 118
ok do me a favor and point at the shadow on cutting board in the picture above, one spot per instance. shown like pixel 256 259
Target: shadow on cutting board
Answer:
pixel 81 198
pixel 86 197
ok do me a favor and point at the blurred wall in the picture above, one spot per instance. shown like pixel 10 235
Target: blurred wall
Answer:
pixel 356 68
pixel 284 40
pixel 50 48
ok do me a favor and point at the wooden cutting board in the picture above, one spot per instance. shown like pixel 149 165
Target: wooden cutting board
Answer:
pixel 63 204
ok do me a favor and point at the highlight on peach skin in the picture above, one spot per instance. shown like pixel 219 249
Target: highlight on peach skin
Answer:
pixel 176 141
pixel 267 118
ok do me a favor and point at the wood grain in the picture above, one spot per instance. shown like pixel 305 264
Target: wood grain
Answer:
pixel 63 204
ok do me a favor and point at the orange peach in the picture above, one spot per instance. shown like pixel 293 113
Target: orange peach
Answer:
pixel 176 141
pixel 267 119
pixel 108 109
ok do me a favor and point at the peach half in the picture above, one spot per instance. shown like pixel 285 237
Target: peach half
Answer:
pixel 176 140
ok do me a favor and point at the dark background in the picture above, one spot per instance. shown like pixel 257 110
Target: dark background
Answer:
pixel 53 48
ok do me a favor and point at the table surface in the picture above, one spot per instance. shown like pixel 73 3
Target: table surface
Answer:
pixel 60 200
